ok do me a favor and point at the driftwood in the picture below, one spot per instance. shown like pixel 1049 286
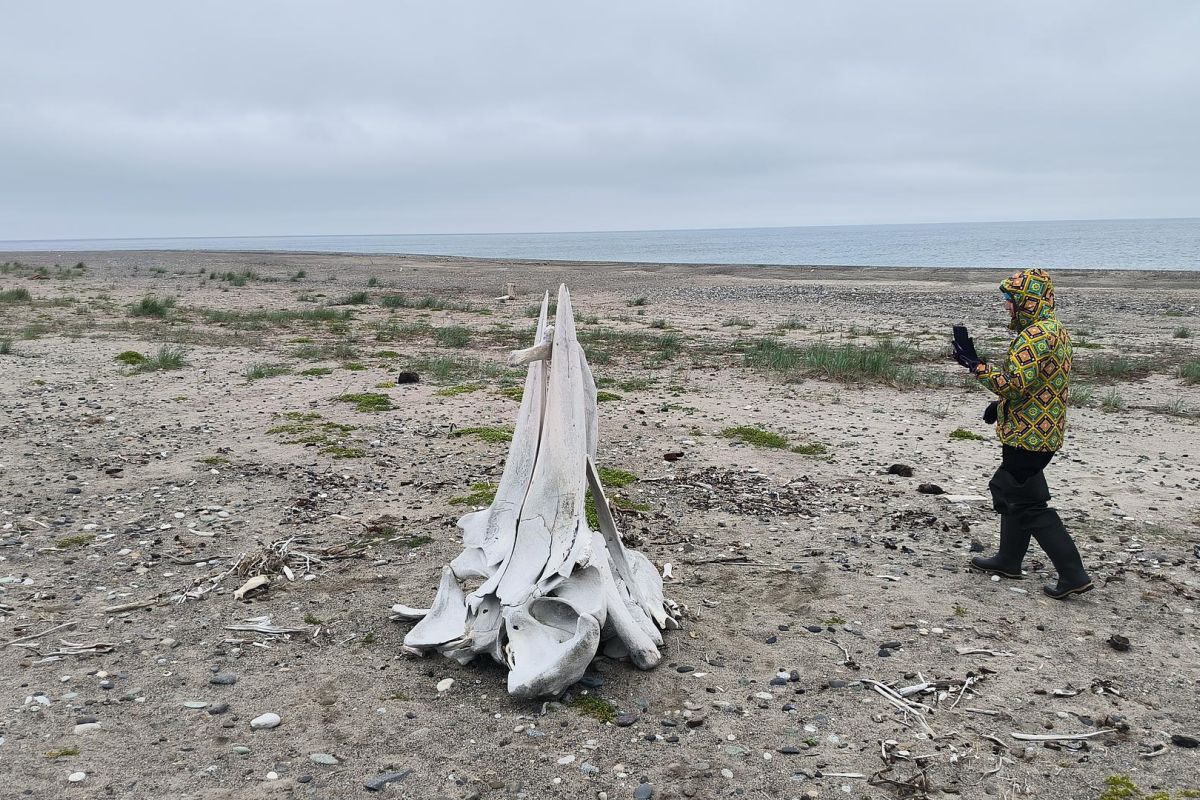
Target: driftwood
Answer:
pixel 552 592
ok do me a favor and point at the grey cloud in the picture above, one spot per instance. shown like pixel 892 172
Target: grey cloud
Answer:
pixel 147 118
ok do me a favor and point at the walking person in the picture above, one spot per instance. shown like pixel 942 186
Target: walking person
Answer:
pixel 1033 384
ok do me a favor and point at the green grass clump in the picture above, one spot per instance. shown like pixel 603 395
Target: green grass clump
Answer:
pixel 130 357
pixel 6 347
pixel 212 461
pixel 886 361
pixel 354 366
pixel 447 369
pixel 595 707
pixel 455 391
pixel 425 303
pixel 317 371
pixel 61 752
pixel 1122 787
pixel 343 451
pixel 1182 332
pixel 738 322
pixel 166 358
pixel 638 301
pixel 71 542
pixel 616 478
pixel 755 436
pixel 512 392
pixel 622 503
pixel 386 385
pixel 20 295
pixel 1081 395
pixel 606 397
pixel 814 449
pixel 1190 372
pixel 258 320
pixel 387 354
pixel 1114 367
pixel 255 372
pixel 966 435
pixel 533 312
pixel 151 306
pixel 368 402
pixel 453 336
pixel 238 278
pixel 487 434
pixel 1112 401
pixel 355 299
pixel 481 494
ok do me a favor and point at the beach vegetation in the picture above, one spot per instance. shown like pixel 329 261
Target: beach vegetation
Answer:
pixel 964 435
pixel 885 361
pixel 481 494
pixel 755 436
pixel 6 347
pixel 607 397
pixel 392 331
pixel 487 434
pixel 354 366
pixel 512 392
pixel 258 320
pixel 659 324
pixel 616 478
pixel 256 371
pixel 368 402
pixel 354 299
pixel 387 354
pixel 298 275
pixel 167 358
pixel 340 451
pixel 1112 401
pixel 1081 395
pixel 1113 367
pixel 386 385
pixel 151 306
pixel 453 336
pixel 72 542
pixel 589 705
pixel 446 369
pixel 426 303
pixel 313 371
pixel 1182 332
pixel 130 358
pixel 1190 372
pixel 738 322
pixel 792 323
pixel 61 752
pixel 18 295
pixel 238 278
pixel 811 449
pixel 212 461
pixel 638 301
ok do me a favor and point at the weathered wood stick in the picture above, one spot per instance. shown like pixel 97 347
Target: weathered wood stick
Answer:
pixel 43 633
pixel 1060 737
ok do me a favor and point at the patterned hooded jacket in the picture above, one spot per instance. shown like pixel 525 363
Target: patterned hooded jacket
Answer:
pixel 1034 381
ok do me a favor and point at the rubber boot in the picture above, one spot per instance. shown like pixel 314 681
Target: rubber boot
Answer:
pixel 1014 540
pixel 1046 526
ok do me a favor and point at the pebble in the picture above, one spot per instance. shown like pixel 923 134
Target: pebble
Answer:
pixel 644 791
pixel 76 777
pixel 223 679
pixel 625 720
pixel 195 704
pixel 268 720
pixel 589 769
pixel 323 758
pixel 380 781
pixel 562 762
pixel 444 685
pixel 87 727
pixel 241 749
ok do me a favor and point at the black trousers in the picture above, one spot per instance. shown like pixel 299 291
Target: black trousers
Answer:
pixel 1023 464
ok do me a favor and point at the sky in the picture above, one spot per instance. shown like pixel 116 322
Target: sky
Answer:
pixel 133 119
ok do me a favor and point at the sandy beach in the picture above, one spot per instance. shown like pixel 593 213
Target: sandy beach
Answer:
pixel 169 416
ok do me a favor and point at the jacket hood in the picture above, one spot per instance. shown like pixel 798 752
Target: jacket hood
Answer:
pixel 1032 293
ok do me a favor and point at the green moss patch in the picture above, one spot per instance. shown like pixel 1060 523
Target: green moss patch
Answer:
pixel 755 436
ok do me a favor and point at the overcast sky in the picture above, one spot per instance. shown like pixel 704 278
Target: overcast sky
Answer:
pixel 257 117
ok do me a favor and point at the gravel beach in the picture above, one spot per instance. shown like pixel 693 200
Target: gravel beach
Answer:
pixel 797 445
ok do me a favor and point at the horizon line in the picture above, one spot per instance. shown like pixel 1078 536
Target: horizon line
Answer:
pixel 607 230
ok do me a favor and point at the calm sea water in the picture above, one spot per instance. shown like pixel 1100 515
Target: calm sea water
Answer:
pixel 1170 244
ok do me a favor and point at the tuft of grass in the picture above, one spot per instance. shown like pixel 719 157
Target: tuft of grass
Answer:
pixel 412 542
pixel 755 436
pixel 459 370
pixel 317 371
pixel 312 619
pixel 455 391
pixel 255 372
pixel 813 449
pixel 130 357
pixel 1081 395
pixel 166 358
pixel 343 451
pixel 1190 372
pixel 1182 332
pixel 638 301
pixel 534 311
pixel 386 385
pixel 424 303
pixel 298 276
pixel 595 707
pixel 19 295
pixel 605 397
pixel 354 366
pixel 151 306
pixel 212 461
pixel 512 392
pixel 355 299
pixel 78 540
pixel 658 324
pixel 487 434
pixel 1112 401
pixel 966 435
pixel 737 322
pixel 885 361
pixel 368 402
pixel 258 320
pixel 793 323
pixel 61 752
pixel 481 494
pixel 6 347
pixel 616 478
pixel 1114 367
pixel 453 336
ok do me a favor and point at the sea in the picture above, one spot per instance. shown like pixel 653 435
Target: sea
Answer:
pixel 1132 244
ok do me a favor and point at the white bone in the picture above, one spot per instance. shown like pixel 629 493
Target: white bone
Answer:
pixel 553 591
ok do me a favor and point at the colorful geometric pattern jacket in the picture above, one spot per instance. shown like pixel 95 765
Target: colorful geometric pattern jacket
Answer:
pixel 1034 381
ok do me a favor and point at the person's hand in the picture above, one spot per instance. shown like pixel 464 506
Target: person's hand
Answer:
pixel 964 349
pixel 992 412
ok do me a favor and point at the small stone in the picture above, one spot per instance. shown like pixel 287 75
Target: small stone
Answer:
pixel 406 377
pixel 885 652
pixel 265 721
pixel 683 668
pixel 976 546
pixel 625 720
pixel 323 758
pixel 589 769
pixel 304 779
pixel 76 777
pixel 930 488
pixel 813 628
pixel 562 762
pixel 380 781
pixel 444 685
pixel 241 749
pixel 644 791
pixel 195 704
pixel 223 679
pixel 219 708
pixel 903 470
pixel 1183 740
pixel 87 727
